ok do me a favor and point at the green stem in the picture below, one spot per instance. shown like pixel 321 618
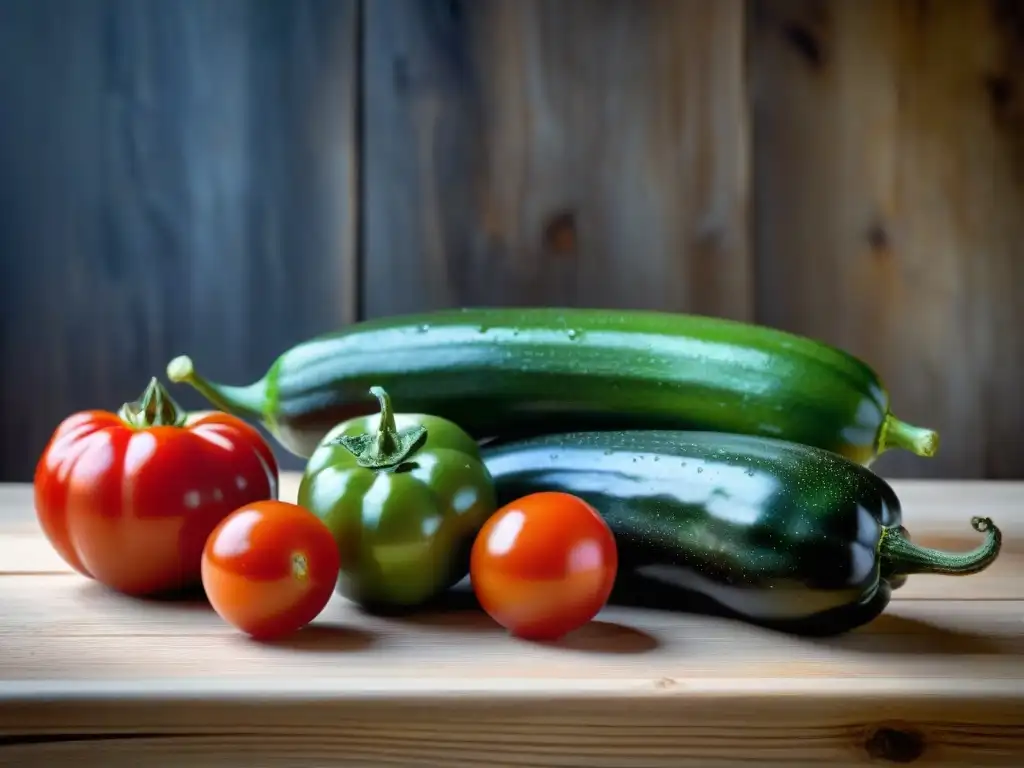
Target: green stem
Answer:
pixel 388 446
pixel 247 401
pixel 155 408
pixel 899 434
pixel 902 557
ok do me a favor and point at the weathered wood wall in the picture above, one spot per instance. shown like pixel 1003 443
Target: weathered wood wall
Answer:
pixel 888 196
pixel 175 176
pixel 565 152
pixel 227 177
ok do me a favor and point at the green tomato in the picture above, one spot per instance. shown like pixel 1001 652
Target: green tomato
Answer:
pixel 404 495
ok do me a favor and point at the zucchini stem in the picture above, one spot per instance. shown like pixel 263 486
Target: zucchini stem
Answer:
pixel 900 434
pixel 389 446
pixel 246 401
pixel 902 557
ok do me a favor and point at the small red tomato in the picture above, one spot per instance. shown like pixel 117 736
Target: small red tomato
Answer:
pixel 544 565
pixel 128 499
pixel 270 568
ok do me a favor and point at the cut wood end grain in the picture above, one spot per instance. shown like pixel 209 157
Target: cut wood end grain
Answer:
pixel 594 730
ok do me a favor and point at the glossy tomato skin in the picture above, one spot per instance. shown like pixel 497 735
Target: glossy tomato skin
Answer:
pixel 270 568
pixel 132 507
pixel 544 565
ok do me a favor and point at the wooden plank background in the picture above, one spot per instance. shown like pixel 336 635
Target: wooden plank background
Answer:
pixel 225 178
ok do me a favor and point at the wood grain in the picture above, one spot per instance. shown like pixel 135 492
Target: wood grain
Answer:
pixel 888 183
pixel 556 152
pixel 92 678
pixel 99 638
pixel 651 724
pixel 938 515
pixel 175 177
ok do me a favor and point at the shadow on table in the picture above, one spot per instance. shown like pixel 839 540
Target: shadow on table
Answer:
pixel 894 634
pixel 191 600
pixel 324 638
pixel 459 611
pixel 888 633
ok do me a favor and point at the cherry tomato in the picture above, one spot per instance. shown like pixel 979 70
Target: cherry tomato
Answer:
pixel 129 499
pixel 270 568
pixel 544 565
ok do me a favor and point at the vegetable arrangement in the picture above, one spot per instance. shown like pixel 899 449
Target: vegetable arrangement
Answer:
pixel 550 455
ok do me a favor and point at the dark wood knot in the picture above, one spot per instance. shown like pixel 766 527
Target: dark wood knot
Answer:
pixel 806 43
pixel 894 745
pixel 560 233
pixel 878 237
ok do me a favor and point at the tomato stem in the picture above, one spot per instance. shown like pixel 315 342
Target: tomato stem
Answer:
pixel 388 446
pixel 155 408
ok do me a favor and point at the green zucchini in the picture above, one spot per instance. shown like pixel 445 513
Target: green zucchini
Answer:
pixel 779 534
pixel 503 373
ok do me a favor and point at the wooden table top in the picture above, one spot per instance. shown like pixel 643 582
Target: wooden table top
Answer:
pixel 88 677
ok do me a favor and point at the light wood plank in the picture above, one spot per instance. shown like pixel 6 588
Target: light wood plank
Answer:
pixel 936 513
pixel 92 678
pixel 651 726
pixel 556 152
pixel 1001 581
pixel 167 681
pixel 72 629
pixel 887 195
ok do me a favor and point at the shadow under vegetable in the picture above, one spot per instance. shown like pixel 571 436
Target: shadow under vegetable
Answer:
pixel 458 610
pixel 884 633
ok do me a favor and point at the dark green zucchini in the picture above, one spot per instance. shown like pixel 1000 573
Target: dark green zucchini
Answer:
pixel 777 533
pixel 516 372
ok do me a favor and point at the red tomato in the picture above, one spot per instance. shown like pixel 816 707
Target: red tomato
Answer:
pixel 544 565
pixel 270 568
pixel 129 499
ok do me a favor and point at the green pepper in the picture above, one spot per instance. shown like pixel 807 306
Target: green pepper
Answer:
pixel 404 495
